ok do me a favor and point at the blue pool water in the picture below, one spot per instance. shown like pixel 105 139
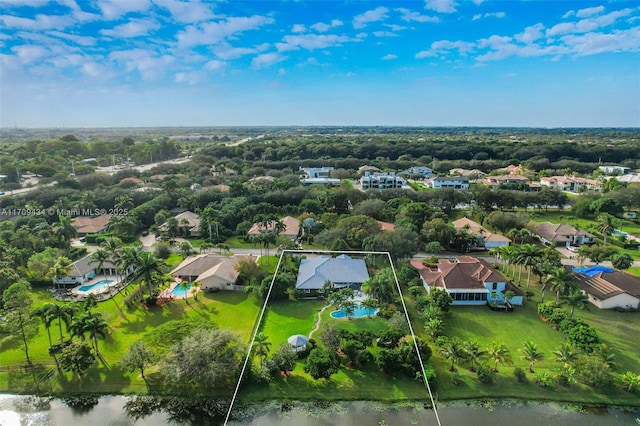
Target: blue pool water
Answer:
pixel 358 312
pixel 95 285
pixel 617 232
pixel 179 291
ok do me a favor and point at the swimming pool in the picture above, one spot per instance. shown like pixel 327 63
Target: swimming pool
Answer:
pixel 178 291
pixel 94 286
pixel 617 232
pixel 358 312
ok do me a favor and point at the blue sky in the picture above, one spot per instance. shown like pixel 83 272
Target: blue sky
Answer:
pixel 99 63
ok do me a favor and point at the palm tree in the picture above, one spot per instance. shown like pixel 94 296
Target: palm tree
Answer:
pixel 575 299
pixel 185 285
pixel 65 231
pixel 566 354
pixel 147 266
pixel 261 346
pixel 473 353
pixel 97 328
pixel 499 353
pixel 433 327
pixel 452 350
pixel 528 255
pixel 531 353
pixel 44 314
pixel 349 307
pixel 606 354
pixel 369 304
pixel 63 313
pixel 60 269
pixel 507 254
pixel 561 282
pixel 195 288
pixel 605 225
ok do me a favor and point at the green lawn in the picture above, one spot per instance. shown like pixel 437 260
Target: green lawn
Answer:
pixel 634 270
pixel 239 242
pixel 284 318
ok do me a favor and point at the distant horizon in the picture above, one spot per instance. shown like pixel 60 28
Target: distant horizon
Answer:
pixel 427 63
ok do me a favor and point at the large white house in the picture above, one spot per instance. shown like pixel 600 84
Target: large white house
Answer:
pixel 381 181
pixel 468 280
pixel 615 170
pixel 455 182
pixel 84 270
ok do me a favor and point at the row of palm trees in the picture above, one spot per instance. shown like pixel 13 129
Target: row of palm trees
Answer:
pixel 78 322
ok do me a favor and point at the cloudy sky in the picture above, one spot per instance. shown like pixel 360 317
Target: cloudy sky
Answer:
pixel 102 63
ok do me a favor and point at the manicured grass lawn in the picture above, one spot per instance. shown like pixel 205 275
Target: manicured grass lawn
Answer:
pixel 635 270
pixel 284 318
pixel 268 263
pixel 173 260
pixel 234 310
pixel 239 242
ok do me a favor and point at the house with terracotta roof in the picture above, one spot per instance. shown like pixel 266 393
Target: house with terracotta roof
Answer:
pixel 571 184
pixel 484 237
pixel 468 280
pixel 507 182
pixel 608 288
pixel 387 226
pixel 559 234
pixel 291 228
pixel 90 225
pixel 341 271
pixel 211 271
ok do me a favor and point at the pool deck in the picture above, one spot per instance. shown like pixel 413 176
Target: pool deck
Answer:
pixel 167 294
pixel 97 291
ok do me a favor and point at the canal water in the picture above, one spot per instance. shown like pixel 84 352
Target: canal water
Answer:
pixel 114 411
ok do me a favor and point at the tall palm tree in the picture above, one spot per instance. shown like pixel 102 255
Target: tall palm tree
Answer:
pixel 499 353
pixel 528 255
pixel 566 354
pixel 349 307
pixel 531 353
pixel 148 265
pixel 113 245
pixel 473 353
pixel 65 231
pixel 43 313
pixel 605 225
pixel 575 299
pixel 97 328
pixel 261 346
pixel 453 351
pixel 507 254
pixel 561 282
pixel 369 304
pixel 60 269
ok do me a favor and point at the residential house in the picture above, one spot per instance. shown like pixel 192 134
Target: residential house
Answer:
pixel 468 280
pixel 133 180
pixel 188 224
pixel 607 288
pixel 512 169
pixel 629 178
pixel 211 271
pixel 318 175
pixel 559 234
pixel 571 184
pixel 507 182
pixel 341 271
pixel 83 270
pixel 423 172
pixel 484 237
pixel 363 169
pixel 90 225
pixel 291 228
pixel 468 173
pixel 381 181
pixel 455 182
pixel 387 226
pixel 615 170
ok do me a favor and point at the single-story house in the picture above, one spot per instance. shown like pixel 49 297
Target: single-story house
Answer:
pixel 188 224
pixel 90 225
pixel 211 271
pixel 84 270
pixel 291 228
pixel 387 226
pixel 559 234
pixel 608 288
pixel 455 182
pixel 468 280
pixel 341 271
pixel 485 238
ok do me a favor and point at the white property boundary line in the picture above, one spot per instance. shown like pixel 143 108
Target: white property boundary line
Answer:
pixel 266 301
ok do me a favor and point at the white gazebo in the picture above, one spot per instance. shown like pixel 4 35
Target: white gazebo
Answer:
pixel 298 342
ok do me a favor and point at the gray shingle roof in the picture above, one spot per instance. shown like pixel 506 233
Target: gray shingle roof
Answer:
pixel 314 272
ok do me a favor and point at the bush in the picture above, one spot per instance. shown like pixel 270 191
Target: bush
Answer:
pixel 486 375
pixel 133 299
pixel 162 250
pixel 441 341
pixel 584 337
pixel 519 374
pixel 543 380
pixel 151 300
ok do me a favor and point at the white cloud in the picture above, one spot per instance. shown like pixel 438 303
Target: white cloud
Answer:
pixel 590 11
pixel 411 16
pixel 41 22
pixel 498 15
pixel 214 32
pixel 29 53
pixel 24 3
pixel 144 61
pixel 477 16
pixel 190 78
pixel 589 24
pixel 226 51
pixel 215 65
pixel 394 27
pixel 133 28
pixel 336 23
pixel 594 43
pixel 322 27
pixel 299 28
pixel 389 57
pixel 444 46
pixel 384 34
pixel 187 11
pixel 113 9
pixel 374 15
pixel 569 14
pixel 81 40
pixel 311 41
pixel 265 60
pixel 530 34
pixel 441 6
pixel 95 70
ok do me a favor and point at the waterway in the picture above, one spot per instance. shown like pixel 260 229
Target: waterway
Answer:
pixel 114 411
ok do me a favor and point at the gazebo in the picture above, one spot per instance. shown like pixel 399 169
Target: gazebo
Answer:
pixel 298 342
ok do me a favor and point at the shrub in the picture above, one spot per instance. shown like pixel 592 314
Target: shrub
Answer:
pixel 593 371
pixel 365 357
pixel 441 340
pixel 133 299
pixel 519 374
pixel 543 380
pixel 583 337
pixel 151 300
pixel 486 375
